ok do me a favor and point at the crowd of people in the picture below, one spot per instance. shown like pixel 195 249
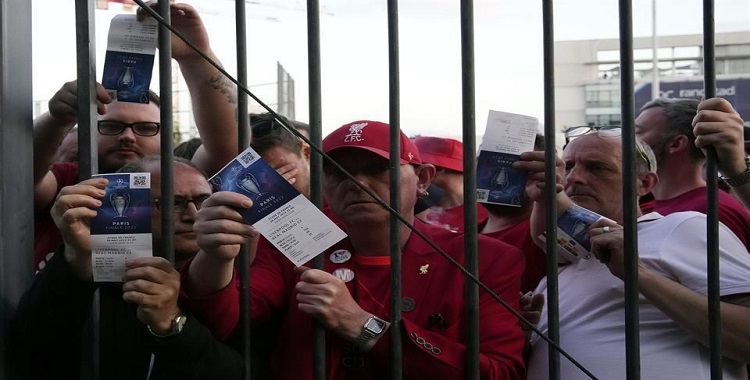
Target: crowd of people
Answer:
pixel 182 319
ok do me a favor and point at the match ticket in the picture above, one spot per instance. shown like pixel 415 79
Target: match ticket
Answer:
pixel 129 61
pixel 121 228
pixel 507 136
pixel 573 233
pixel 280 213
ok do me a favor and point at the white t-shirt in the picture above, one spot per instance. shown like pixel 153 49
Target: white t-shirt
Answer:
pixel 592 309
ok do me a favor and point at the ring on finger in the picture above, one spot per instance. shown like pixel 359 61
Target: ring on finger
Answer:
pixel 605 229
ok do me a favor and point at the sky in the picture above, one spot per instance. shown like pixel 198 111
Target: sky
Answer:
pixel 354 51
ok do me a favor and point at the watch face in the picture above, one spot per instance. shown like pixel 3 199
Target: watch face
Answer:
pixel 178 323
pixel 375 325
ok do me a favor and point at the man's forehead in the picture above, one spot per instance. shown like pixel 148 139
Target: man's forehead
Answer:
pixel 275 153
pixel 593 146
pixel 182 173
pixel 124 111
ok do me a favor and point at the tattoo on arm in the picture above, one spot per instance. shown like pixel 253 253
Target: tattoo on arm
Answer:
pixel 225 86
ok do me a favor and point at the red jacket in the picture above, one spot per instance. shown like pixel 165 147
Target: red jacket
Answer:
pixel 432 345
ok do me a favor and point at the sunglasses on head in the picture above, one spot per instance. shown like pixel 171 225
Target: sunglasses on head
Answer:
pixel 604 131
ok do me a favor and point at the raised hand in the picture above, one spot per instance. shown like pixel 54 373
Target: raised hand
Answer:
pixel 72 213
pixel 219 227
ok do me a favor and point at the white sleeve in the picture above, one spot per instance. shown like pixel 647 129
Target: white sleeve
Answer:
pixel 684 252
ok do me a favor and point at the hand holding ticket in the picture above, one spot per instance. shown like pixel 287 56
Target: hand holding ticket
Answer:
pixel 280 213
pixel 122 226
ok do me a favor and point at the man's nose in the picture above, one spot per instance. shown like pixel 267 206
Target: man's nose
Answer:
pixel 360 178
pixel 127 134
pixel 190 212
pixel 574 175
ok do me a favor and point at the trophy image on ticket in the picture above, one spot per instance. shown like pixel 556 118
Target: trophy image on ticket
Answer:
pixel 500 179
pixel 120 203
pixel 249 183
pixel 126 79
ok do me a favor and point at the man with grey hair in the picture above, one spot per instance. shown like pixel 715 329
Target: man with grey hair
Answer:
pixel 666 125
pixel 673 317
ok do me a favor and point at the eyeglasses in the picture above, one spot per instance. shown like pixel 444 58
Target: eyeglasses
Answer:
pixel 114 128
pixel 605 131
pixel 181 203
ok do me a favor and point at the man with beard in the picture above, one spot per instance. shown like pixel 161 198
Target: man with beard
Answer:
pixel 666 125
pixel 129 131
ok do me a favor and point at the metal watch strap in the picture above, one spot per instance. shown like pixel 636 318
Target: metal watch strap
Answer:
pixel 178 323
pixel 366 334
pixel 739 179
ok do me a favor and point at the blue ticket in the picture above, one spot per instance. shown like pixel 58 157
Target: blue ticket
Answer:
pixel 129 60
pixel 497 181
pixel 507 136
pixel 280 213
pixel 121 228
pixel 573 232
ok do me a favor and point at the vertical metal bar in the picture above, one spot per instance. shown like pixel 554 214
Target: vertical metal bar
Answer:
pixel 87 161
pixel 167 166
pixel 280 85
pixel 316 161
pixel 242 138
pixel 16 183
pixel 632 339
pixel 655 52
pixel 470 201
pixel 712 209
pixel 550 196
pixel 86 91
pixel 395 189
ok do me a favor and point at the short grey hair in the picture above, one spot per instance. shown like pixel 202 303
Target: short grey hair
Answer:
pixel 680 114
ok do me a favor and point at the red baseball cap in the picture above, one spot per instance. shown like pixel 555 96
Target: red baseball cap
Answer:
pixel 373 136
pixel 445 153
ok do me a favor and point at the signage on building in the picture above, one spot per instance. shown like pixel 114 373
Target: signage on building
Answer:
pixel 736 91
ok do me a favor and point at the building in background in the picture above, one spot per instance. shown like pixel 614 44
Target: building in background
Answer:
pixel 587 86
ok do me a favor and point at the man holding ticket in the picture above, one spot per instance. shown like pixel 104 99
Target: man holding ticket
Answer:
pixel 350 296
pixel 671 273
pixel 127 131
pixel 154 337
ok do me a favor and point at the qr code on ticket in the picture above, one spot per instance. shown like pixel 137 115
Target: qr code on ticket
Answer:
pixel 247 157
pixel 140 181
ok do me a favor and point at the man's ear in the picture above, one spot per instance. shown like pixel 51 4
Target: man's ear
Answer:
pixel 305 151
pixel 646 182
pixel 425 174
pixel 678 143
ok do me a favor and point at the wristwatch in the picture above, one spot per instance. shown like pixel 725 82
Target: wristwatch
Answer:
pixel 178 323
pixel 372 328
pixel 739 179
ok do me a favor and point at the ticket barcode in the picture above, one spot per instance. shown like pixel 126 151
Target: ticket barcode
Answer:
pixel 247 157
pixel 139 181
pixel 483 195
